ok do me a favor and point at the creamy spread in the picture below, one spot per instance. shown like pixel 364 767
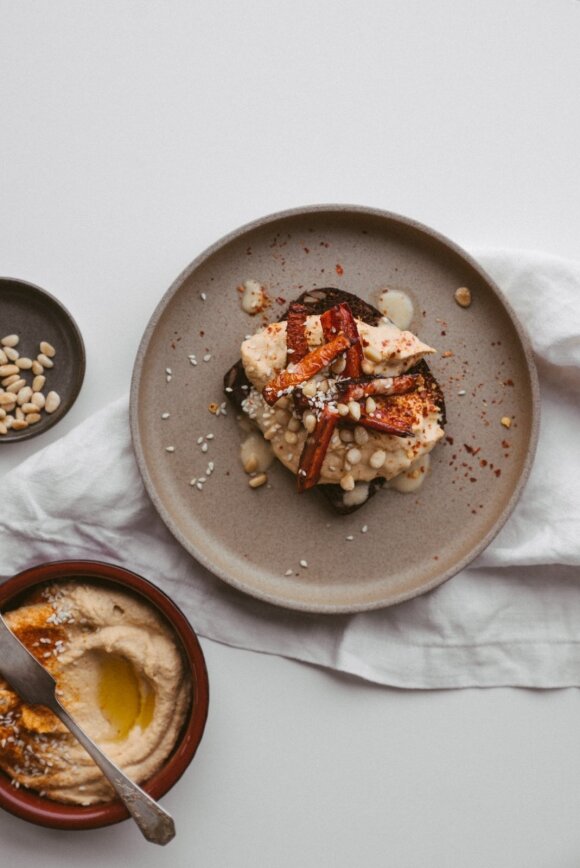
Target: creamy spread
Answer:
pixel 356 454
pixel 120 673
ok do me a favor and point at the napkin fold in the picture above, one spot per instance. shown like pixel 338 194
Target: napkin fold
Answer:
pixel 511 618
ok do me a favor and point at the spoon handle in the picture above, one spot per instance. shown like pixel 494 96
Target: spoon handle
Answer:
pixel 154 822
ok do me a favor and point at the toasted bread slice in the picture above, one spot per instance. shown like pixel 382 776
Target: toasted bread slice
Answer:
pixel 318 301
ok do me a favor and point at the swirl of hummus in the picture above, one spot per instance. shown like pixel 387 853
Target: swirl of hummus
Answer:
pixel 119 671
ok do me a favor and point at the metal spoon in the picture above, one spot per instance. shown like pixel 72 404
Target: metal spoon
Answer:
pixel 36 686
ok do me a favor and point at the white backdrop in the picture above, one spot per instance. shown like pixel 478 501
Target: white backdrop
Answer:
pixel 133 134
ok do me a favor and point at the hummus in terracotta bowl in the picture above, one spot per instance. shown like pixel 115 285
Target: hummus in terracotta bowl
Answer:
pixel 129 669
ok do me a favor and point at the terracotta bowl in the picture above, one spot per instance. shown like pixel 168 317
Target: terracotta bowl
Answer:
pixel 44 812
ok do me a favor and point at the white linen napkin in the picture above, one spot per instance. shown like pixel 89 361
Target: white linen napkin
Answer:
pixel 512 618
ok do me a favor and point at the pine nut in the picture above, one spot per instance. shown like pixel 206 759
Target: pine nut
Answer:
pixel 11 354
pixel 8 370
pixel 6 398
pixel 19 414
pixel 377 459
pixel 3 357
pixel 19 425
pixel 367 367
pixel 370 405
pixel 309 389
pixel 7 381
pixel 309 421
pixel 346 435
pixel 353 456
pixel 29 408
pixel 24 395
pixel 23 363
pixel 38 400
pixel 257 481
pixel 354 410
pixel 271 432
pixel 37 368
pixel 347 482
pixel 335 440
pixel 251 463
pixel 339 365
pixel 361 435
pixel 47 349
pixel 294 424
pixel 291 438
pixel 33 418
pixel 9 341
pixel 2 413
pixel 281 416
pixel 463 296
pixel 16 386
pixel 9 421
pixel 44 361
pixel 3 428
pixel 38 383
pixel 342 409
pixel 52 402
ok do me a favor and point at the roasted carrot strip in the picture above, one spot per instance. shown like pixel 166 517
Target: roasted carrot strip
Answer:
pixel 386 425
pixel 296 332
pixel 306 368
pixel 315 449
pixel 339 320
pixel 357 390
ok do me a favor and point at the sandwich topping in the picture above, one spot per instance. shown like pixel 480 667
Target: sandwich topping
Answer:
pixel 337 399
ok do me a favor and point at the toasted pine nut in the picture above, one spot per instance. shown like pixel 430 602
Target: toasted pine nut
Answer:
pixel 506 421
pixel 347 482
pixel 47 349
pixel 463 296
pixel 354 410
pixel 37 368
pixel 377 459
pixel 271 432
pixel 346 435
pixel 370 405
pixel 353 456
pixel 33 418
pixel 16 386
pixel 8 370
pixel 2 413
pixel 24 395
pixel 11 354
pixel 29 408
pixel 3 428
pixel 339 365
pixel 9 340
pixel 372 354
pixel 309 421
pixel 294 424
pixel 38 383
pixel 19 425
pixel 6 398
pixel 367 367
pixel 342 409
pixel 23 363
pixel 3 357
pixel 281 416
pixel 251 463
pixel 44 361
pixel 257 481
pixel 361 435
pixel 291 438
pixel 19 414
pixel 38 400
pixel 309 389
pixel 52 402
pixel 7 381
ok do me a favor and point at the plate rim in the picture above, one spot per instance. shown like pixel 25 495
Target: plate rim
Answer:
pixel 138 368
pixel 82 359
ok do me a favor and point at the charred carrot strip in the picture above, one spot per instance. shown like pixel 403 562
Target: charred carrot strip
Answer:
pixel 356 391
pixel 315 449
pixel 296 332
pixel 386 426
pixel 303 370
pixel 339 320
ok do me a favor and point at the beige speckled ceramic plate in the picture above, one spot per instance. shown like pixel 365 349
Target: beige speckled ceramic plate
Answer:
pixel 251 538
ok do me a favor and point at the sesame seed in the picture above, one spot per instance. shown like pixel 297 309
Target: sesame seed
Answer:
pixel 199 485
pixel 168 378
pixel 304 564
pixel 193 362
pixel 165 415
pixel 349 538
pixel 461 392
pixel 209 436
pixel 203 296
pixel 364 528
pixel 168 371
pixel 170 448
pixel 228 389
pixel 288 572
pixel 193 481
pixel 204 447
pixel 199 440
pixel 207 357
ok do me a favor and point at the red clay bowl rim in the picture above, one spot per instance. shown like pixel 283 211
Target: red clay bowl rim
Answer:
pixel 44 812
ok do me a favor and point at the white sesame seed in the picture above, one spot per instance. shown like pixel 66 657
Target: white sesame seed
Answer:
pixel 204 447
pixel 207 357
pixel 193 362
pixel 209 436
pixel 462 392
pixel 193 481
pixel 203 296
pixel 199 440
pixel 228 389
pixel 170 448
pixel 349 538
pixel 165 415
pixel 168 371
pixel 304 564
pixel 202 479
pixel 168 378
pixel 199 485
pixel 364 528
pixel 288 572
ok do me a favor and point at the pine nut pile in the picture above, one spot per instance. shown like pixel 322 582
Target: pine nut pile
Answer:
pixel 22 402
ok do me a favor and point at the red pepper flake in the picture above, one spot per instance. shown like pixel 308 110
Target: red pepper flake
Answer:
pixel 306 249
pixel 506 444
pixel 449 440
pixel 280 300
pixel 483 463
pixel 508 382
pixel 472 479
pixel 471 449
pixel 339 269
pixel 497 471
pixel 201 334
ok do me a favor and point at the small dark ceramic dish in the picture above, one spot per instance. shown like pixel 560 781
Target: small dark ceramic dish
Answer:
pixel 44 812
pixel 35 315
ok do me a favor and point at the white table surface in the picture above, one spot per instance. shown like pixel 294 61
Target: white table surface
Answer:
pixel 133 134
